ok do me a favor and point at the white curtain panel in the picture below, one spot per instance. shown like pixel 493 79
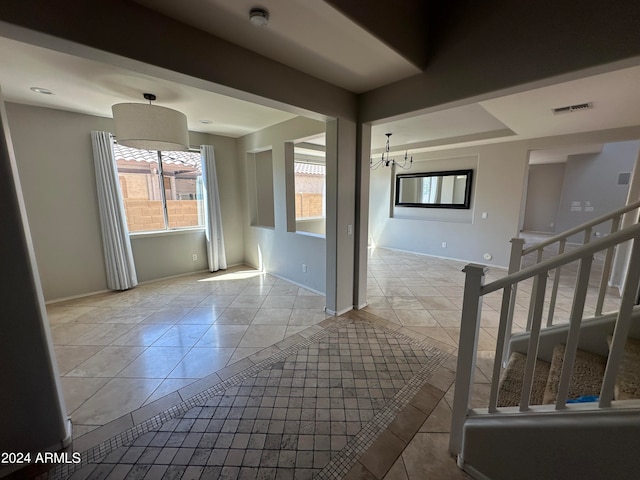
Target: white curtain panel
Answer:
pixel 215 240
pixel 118 256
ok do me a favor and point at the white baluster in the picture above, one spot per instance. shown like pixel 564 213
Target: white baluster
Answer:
pixel 540 286
pixel 577 311
pixel 623 322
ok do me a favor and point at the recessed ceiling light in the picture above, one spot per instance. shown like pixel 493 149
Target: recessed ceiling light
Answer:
pixel 206 122
pixel 44 91
pixel 259 17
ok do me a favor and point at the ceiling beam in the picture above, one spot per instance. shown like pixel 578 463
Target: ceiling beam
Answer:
pixel 403 26
pixel 500 46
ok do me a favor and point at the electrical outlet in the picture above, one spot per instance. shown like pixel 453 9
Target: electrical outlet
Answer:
pixel 444 244
pixel 304 268
pixel 349 229
pixel 194 257
pixel 485 215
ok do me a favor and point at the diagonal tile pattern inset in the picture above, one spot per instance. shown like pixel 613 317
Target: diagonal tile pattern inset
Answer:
pixel 311 412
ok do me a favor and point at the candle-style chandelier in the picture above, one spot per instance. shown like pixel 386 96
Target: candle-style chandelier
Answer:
pixel 387 161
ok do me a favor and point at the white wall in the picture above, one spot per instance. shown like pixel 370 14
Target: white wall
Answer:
pixel 592 181
pixel 544 190
pixel 498 179
pixel 55 162
pixel 277 250
pixel 497 189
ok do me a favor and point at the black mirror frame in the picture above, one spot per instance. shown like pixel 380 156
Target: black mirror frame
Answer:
pixel 467 190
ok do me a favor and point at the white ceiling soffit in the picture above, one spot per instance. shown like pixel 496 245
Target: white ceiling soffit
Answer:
pixel 559 155
pixel 90 87
pixel 308 35
pixel 616 103
pixel 456 125
pixel 615 97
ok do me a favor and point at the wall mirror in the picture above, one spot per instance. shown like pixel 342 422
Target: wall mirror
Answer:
pixel 450 189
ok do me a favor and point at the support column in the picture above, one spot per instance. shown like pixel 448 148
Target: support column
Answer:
pixel 341 179
pixel 363 174
pixel 32 406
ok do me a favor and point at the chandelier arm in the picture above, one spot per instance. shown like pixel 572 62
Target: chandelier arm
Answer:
pixel 387 161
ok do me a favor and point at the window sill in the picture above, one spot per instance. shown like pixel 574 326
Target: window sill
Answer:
pixel 311 234
pixel 165 233
pixel 265 227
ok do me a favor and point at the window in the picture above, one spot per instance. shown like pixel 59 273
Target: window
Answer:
pixel 310 182
pixel 160 196
pixel 310 185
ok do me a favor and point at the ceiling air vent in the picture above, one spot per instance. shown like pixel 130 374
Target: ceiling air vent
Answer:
pixel 572 108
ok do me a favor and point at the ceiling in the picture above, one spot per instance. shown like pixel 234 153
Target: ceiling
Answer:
pixel 310 36
pixel 314 37
pixel 615 97
pixel 90 87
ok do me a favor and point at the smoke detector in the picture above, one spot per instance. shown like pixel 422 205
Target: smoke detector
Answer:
pixel 259 17
pixel 572 108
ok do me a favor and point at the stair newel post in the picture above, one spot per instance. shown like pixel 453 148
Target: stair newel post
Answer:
pixel 467 350
pixel 515 264
pixel 623 323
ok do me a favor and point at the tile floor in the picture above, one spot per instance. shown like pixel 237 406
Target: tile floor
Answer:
pixel 117 352
pixel 309 411
pixel 166 341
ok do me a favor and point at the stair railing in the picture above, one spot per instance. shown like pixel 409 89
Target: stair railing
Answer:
pixel 519 253
pixel 470 325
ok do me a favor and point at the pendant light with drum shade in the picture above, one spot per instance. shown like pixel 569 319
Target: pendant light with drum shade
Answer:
pixel 150 127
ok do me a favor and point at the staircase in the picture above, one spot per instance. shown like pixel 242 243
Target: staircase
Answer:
pixel 586 381
pixel 563 402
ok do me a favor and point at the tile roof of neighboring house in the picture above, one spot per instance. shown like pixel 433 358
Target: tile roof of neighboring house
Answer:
pixel 191 159
pixel 308 168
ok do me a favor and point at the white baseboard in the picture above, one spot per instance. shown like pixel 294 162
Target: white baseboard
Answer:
pixel 470 470
pixel 339 312
pixel 75 297
pixel 306 287
pixel 146 282
pixel 493 265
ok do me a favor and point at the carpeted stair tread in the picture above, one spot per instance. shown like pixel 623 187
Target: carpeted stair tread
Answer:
pixel 511 381
pixel 587 375
pixel 628 379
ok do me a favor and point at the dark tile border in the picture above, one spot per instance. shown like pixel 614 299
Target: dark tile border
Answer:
pixel 342 462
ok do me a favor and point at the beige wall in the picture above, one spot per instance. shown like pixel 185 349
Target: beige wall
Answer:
pixel 544 188
pixel 497 189
pixel 278 250
pixel 55 163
